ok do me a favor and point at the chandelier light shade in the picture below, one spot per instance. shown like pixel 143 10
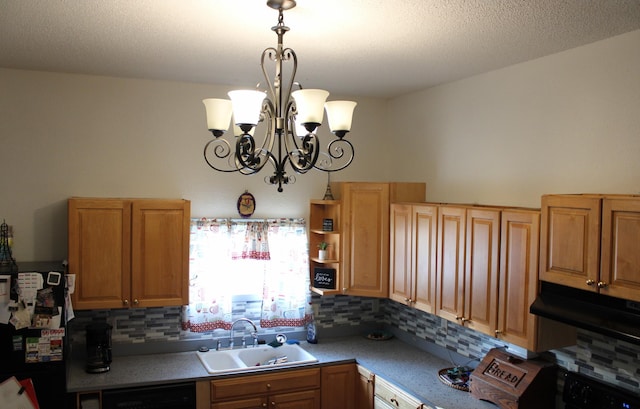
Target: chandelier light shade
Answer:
pixel 340 114
pixel 290 120
pixel 218 114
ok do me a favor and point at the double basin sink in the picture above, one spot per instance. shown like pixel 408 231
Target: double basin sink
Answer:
pixel 248 359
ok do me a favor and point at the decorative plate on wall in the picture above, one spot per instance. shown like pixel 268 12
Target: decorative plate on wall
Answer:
pixel 246 204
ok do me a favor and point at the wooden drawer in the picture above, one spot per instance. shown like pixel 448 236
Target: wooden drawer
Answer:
pixel 395 397
pixel 265 384
pixel 257 402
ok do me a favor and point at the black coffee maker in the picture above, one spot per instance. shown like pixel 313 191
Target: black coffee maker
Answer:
pixel 98 347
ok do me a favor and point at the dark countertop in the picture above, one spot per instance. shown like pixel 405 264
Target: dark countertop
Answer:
pixel 398 362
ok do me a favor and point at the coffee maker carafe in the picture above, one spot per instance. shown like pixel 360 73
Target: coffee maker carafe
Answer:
pixel 98 347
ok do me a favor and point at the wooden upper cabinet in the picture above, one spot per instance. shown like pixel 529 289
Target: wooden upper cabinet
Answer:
pixel 620 240
pixel 590 242
pixel 400 247
pixel 481 269
pixel 160 253
pixel 518 278
pixel 365 233
pixel 99 252
pixel 451 243
pixel 129 252
pixel 413 255
pixel 570 240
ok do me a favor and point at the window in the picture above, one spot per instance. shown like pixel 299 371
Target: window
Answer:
pixel 235 261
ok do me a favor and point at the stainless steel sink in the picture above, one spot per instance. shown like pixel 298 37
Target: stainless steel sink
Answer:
pixel 247 359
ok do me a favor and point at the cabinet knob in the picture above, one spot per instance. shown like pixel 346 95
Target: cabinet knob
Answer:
pixel 462 319
pixel 268 385
pixel 602 284
pixel 344 289
pixel 497 333
pixel 590 282
pixel 136 302
pixel 264 405
pixel 125 302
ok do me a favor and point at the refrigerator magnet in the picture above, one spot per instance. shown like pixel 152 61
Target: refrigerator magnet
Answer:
pixel 54 278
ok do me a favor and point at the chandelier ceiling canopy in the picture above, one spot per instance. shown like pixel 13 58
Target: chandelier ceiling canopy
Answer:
pixel 288 121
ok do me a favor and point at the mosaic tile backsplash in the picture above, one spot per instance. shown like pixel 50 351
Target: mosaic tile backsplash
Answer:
pixel 615 362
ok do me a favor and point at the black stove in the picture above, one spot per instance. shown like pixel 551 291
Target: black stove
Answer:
pixel 582 392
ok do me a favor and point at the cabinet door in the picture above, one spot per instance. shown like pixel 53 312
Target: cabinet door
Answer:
pixel 160 252
pixel 99 252
pixel 423 256
pixel 481 269
pixel 338 386
pixel 450 262
pixel 518 277
pixel 401 272
pixel 364 392
pixel 620 271
pixel 570 240
pixel 296 400
pixel 366 232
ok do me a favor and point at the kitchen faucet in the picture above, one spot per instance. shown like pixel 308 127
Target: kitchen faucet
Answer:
pixel 254 334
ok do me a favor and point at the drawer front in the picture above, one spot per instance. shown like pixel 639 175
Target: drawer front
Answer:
pixel 251 403
pixel 267 383
pixel 393 396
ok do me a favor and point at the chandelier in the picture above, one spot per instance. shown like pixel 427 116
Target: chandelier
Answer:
pixel 289 120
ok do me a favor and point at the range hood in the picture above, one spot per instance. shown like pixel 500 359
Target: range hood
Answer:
pixel 613 317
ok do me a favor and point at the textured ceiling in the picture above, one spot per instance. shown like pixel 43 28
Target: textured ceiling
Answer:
pixel 352 47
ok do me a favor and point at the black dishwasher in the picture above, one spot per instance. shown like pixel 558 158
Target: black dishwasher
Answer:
pixel 174 396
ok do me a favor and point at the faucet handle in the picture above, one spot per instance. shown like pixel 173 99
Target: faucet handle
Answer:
pixel 218 345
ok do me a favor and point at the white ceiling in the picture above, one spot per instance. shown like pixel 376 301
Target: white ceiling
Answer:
pixel 353 47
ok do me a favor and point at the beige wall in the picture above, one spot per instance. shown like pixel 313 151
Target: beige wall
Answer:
pixel 73 135
pixel 567 123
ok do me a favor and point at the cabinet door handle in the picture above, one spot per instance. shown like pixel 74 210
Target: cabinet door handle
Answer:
pixel 125 302
pixel 590 282
pixel 136 302
pixel 602 284
pixel 393 400
pixel 497 332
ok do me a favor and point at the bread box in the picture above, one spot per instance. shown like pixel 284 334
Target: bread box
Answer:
pixel 511 382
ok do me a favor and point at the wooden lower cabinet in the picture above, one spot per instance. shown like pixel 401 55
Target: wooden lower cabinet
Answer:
pixel 294 389
pixel 364 388
pixel 339 386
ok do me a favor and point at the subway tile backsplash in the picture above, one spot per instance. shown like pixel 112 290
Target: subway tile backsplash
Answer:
pixel 613 361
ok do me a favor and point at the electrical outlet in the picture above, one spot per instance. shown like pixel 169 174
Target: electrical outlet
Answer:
pixel 375 306
pixel 444 326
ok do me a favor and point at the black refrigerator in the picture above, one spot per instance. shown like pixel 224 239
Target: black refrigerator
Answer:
pixel 33 328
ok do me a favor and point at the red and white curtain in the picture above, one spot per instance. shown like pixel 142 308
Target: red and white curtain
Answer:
pixel 236 257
